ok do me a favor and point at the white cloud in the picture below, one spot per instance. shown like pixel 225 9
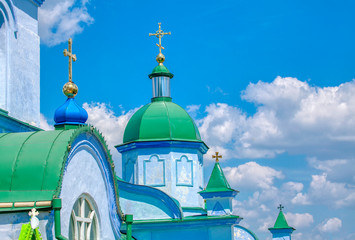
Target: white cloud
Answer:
pixel 192 110
pixel 298 236
pixel 299 220
pixel 293 186
pixel 301 199
pixel 330 225
pixel 111 126
pixel 251 176
pixel 43 123
pixel 60 20
pixel 265 224
pixel 324 191
pixel 291 116
pixel 220 128
pixel 336 169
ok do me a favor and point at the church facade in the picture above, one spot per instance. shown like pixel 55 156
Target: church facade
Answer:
pixel 62 184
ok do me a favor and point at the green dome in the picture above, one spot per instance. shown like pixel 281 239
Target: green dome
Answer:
pixel 161 120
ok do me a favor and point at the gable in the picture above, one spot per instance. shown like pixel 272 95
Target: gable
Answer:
pixel 33 164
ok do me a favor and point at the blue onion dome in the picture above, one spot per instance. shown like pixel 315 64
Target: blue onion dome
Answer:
pixel 70 113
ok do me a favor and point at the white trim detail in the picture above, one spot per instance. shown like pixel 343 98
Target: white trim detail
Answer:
pixel 82 221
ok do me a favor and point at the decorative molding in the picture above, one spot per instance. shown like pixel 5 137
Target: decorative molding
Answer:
pixel 201 146
pixel 149 161
pixel 179 172
pixel 26 204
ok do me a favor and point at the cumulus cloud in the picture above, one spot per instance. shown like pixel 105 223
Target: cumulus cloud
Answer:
pixel 59 20
pixel 43 123
pixel 301 199
pixel 336 169
pixel 252 176
pixel 290 116
pixel 330 225
pixel 325 191
pixel 221 128
pixel 299 220
pixel 112 126
pixel 192 110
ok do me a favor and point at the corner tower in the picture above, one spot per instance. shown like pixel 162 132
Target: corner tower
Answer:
pixel 281 229
pixel 162 147
pixel 218 193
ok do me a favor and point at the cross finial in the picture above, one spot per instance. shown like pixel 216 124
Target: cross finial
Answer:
pixel 33 212
pixel 72 57
pixel 280 207
pixel 217 157
pixel 159 34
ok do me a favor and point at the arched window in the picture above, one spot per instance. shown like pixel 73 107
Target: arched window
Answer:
pixel 84 224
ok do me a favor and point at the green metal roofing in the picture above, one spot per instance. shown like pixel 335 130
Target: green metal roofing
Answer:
pixel 32 163
pixel 160 70
pixel 161 120
pixel 281 222
pixel 217 182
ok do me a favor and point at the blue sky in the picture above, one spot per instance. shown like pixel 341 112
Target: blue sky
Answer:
pixel 269 83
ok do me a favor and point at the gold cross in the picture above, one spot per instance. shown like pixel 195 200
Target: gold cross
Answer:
pixel 217 156
pixel 72 57
pixel 33 212
pixel 159 34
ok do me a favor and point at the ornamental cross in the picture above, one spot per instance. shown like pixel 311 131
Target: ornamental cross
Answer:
pixel 217 157
pixel 159 34
pixel 33 212
pixel 280 207
pixel 72 57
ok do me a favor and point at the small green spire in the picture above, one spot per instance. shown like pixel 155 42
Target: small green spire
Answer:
pixel 217 181
pixel 281 222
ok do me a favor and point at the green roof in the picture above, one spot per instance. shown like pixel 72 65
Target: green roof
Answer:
pixel 217 182
pixel 160 70
pixel 161 120
pixel 32 163
pixel 281 222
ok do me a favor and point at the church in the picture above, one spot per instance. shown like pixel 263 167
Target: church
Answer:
pixel 62 184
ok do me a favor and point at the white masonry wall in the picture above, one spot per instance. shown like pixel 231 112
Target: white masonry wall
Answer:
pixel 20 54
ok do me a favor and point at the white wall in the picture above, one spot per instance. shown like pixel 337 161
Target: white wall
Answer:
pixel 20 57
pixel 83 175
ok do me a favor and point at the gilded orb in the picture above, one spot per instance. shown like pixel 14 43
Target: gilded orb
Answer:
pixel 70 89
pixel 160 58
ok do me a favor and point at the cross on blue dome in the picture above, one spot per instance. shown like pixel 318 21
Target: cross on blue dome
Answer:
pixel 70 113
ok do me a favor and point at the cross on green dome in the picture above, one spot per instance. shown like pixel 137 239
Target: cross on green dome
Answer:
pixel 281 222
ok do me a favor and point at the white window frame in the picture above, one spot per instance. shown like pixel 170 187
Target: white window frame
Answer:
pixel 79 220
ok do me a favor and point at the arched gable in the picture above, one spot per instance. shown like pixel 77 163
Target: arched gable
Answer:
pixel 89 170
pixel 34 163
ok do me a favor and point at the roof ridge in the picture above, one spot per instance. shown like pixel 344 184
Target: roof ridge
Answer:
pixel 140 125
pixel 167 113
